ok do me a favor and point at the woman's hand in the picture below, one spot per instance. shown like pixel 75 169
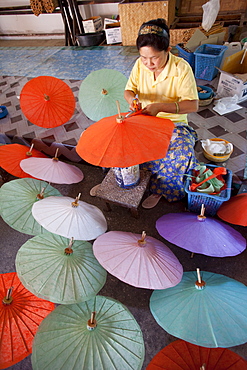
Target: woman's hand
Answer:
pixel 152 109
pixel 135 105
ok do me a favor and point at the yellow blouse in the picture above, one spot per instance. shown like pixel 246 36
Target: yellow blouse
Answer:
pixel 175 83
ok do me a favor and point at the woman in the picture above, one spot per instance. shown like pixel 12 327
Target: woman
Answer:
pixel 163 85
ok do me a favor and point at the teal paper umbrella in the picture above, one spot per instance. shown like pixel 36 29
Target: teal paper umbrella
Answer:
pixel 16 200
pixel 94 335
pixel 210 311
pixel 99 92
pixel 60 270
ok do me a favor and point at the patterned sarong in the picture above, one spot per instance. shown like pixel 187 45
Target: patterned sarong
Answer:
pixel 168 173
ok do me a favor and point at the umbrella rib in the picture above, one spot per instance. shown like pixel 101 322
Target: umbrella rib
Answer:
pixel 111 343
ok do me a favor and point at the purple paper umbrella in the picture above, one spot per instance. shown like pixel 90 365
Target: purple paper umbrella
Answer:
pixel 200 234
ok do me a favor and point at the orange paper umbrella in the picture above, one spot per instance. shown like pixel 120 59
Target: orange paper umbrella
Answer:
pixel 21 312
pixel 12 154
pixel 181 355
pixel 234 210
pixel 117 141
pixel 47 101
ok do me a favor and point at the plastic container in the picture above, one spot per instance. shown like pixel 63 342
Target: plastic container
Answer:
pixel 232 48
pixel 127 177
pixel 207 57
pixel 215 158
pixel 189 57
pixel 211 202
pixel 91 39
pixel 207 94
pixel 3 111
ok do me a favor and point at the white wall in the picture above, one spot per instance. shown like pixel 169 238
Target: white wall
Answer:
pixel 51 24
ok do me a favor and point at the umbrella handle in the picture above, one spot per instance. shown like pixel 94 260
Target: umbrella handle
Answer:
pixel 29 153
pixel 200 284
pixel 69 249
pixel 41 194
pixel 142 241
pixel 8 299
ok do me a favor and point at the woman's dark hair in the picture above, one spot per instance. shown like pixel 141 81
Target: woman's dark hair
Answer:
pixel 158 40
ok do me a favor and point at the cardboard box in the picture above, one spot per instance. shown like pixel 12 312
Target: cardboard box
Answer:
pixel 109 21
pixel 113 33
pixel 229 84
pixel 199 38
pixel 93 24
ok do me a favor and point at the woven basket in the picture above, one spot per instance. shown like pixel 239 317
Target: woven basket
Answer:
pixel 214 158
pixel 133 14
pixel 40 6
pixel 180 35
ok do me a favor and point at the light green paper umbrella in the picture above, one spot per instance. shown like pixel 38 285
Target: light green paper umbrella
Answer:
pixel 16 200
pixel 99 91
pixel 94 335
pixel 59 270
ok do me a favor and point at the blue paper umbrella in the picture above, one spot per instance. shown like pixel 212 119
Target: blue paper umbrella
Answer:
pixel 211 314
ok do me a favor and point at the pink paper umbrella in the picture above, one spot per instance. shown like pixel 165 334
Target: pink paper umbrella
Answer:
pixel 141 261
pixel 199 234
pixel 52 170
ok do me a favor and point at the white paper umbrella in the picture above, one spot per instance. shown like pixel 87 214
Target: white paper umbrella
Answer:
pixel 70 218
pixel 52 170
pixel 141 261
pixel 58 269
pixel 16 200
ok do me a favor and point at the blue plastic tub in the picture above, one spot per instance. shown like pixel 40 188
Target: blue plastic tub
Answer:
pixel 207 57
pixel 189 57
pixel 211 202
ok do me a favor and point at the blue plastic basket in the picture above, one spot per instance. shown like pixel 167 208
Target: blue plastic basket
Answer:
pixel 211 202
pixel 207 57
pixel 189 57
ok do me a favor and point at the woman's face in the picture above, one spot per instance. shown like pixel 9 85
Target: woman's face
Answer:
pixel 153 59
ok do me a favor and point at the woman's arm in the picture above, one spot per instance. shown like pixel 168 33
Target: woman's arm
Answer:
pixel 182 107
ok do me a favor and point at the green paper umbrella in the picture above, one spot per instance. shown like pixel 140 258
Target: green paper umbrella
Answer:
pixel 16 200
pixel 99 92
pixel 59 270
pixel 94 335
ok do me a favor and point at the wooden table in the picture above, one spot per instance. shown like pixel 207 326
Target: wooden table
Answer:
pixel 110 192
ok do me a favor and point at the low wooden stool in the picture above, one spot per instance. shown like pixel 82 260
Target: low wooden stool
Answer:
pixel 110 192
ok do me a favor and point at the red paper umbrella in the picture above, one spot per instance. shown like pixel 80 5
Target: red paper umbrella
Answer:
pixel 12 154
pixel 117 141
pixel 47 101
pixel 181 355
pixel 21 312
pixel 234 210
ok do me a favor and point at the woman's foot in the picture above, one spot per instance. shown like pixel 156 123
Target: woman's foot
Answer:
pixel 151 201
pixel 93 191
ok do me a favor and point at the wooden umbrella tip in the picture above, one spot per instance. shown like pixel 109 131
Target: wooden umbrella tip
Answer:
pixel 68 251
pixel 200 285
pixel 91 325
pixel 6 301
